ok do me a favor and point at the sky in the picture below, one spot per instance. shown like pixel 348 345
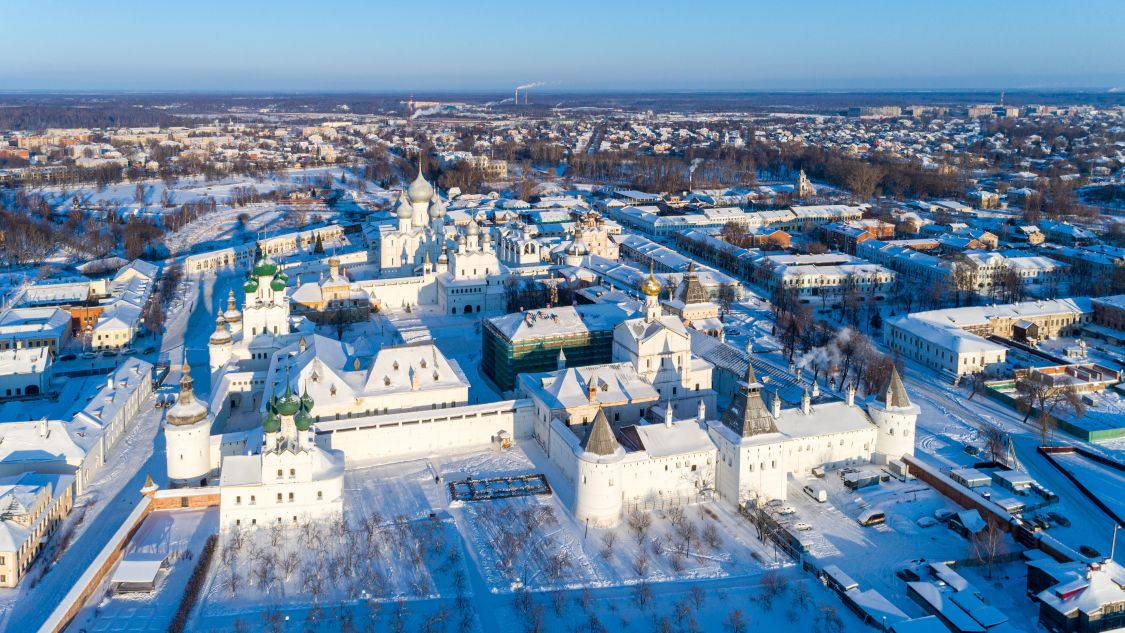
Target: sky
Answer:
pixel 579 45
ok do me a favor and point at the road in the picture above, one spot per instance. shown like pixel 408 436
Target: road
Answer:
pixel 112 494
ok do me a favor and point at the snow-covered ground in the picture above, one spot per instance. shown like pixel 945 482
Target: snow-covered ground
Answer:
pixel 1105 483
pixel 175 536
pixel 418 547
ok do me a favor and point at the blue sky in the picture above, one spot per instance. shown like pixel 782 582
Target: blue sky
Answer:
pixel 371 46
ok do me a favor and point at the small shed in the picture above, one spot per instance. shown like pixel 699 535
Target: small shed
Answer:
pixel 970 477
pixel 967 523
pixel 835 578
pixel 1026 331
pixel 137 575
pixel 1013 480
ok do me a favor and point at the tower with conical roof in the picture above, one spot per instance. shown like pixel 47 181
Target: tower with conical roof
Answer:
pixel 896 417
pixel 747 415
pixel 690 290
pixel 598 487
pixel 187 435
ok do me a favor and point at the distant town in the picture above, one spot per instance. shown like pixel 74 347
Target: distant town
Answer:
pixel 539 361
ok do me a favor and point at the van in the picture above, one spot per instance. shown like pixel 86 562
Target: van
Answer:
pixel 817 493
pixel 872 517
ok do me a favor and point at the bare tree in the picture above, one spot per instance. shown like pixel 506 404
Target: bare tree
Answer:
pixel 988 544
pixel 639 522
pixel 1039 393
pixel 609 539
pixel 736 622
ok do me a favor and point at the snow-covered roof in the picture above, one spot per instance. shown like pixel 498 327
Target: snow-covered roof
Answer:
pixel 241 470
pixel 678 438
pixel 613 384
pixel 27 360
pixel 1102 585
pixel 559 321
pixel 137 570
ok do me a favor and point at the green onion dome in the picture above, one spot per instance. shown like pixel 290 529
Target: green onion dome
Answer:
pixel 251 285
pixel 289 403
pixel 278 284
pixel 264 267
pixel 306 401
pixel 303 420
pixel 272 423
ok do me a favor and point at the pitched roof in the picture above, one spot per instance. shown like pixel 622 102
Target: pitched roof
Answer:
pixel 600 440
pixel 747 414
pixel 895 393
pixel 690 290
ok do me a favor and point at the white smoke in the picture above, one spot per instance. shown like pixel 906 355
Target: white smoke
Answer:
pixel 695 163
pixel 424 112
pixel 535 84
pixel 826 356
pixel 496 103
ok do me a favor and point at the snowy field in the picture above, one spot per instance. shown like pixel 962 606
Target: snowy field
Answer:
pixel 403 547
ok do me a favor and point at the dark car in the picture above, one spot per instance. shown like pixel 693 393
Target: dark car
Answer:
pixel 1058 518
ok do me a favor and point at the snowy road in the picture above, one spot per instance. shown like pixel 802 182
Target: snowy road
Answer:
pixel 113 493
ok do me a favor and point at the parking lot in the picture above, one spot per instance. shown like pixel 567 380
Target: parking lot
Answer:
pixel 832 534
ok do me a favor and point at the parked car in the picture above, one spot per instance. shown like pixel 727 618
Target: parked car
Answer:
pixel 801 526
pixel 872 517
pixel 943 514
pixel 787 510
pixel 1058 518
pixel 67 357
pixel 1089 552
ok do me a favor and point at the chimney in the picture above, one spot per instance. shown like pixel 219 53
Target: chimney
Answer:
pixel 668 414
pixel 797 374
pixel 591 391
pixel 815 389
pixel 702 411
pixel 806 403
pixel 850 394
pixel 776 402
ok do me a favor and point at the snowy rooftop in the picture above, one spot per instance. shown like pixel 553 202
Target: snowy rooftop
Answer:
pixel 241 470
pixel 33 320
pixel 683 436
pixel 27 360
pixel 559 321
pixel 1102 585
pixel 613 384
pixel 333 372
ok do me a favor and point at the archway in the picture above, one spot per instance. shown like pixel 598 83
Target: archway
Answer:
pixel 468 309
pixel 32 390
pixel 453 310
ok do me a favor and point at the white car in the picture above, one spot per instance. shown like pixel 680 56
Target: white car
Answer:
pixel 787 510
pixel 802 526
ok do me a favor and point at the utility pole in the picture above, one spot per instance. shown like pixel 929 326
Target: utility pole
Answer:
pixel 1113 543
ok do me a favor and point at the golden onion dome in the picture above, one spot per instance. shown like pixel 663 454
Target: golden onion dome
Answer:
pixel 651 286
